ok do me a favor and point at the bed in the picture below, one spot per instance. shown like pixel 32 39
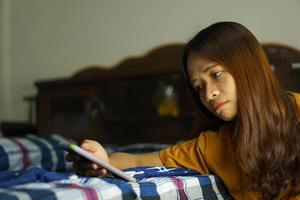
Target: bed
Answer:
pixel 139 105
pixel 33 167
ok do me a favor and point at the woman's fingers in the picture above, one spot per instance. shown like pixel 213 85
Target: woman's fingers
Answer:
pixel 90 145
pixel 72 157
pixel 85 167
pixel 97 173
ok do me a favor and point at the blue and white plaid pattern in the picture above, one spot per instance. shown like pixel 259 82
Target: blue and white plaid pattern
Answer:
pixel 32 151
pixel 34 168
pixel 19 153
pixel 158 184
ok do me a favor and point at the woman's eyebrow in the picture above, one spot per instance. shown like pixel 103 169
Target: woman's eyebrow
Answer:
pixel 209 67
pixel 204 71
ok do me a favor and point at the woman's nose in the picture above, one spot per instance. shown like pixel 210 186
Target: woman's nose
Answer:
pixel 211 93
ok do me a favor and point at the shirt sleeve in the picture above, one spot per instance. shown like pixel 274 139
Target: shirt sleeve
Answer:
pixel 190 154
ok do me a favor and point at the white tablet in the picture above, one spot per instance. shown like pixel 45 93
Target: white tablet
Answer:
pixel 76 149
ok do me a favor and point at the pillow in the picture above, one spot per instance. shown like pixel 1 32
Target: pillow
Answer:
pixel 19 153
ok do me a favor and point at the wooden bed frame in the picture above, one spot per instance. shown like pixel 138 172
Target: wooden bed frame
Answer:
pixel 143 99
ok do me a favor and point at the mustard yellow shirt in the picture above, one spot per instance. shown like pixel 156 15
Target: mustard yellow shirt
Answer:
pixel 211 153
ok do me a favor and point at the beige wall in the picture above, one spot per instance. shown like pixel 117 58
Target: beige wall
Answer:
pixel 55 38
pixel 5 66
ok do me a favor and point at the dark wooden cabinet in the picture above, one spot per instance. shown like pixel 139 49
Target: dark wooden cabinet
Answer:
pixel 285 62
pixel 119 111
pixel 142 99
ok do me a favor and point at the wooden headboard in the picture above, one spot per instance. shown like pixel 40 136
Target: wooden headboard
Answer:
pixel 142 99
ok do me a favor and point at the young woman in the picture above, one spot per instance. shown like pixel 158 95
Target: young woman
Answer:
pixel 255 149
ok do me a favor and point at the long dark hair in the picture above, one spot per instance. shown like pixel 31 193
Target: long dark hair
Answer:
pixel 265 132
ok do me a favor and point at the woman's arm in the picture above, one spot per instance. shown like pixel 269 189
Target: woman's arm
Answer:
pixel 126 160
pixel 119 160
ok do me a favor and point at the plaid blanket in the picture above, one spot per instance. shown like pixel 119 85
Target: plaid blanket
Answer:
pixel 153 183
pixel 19 153
pixel 34 168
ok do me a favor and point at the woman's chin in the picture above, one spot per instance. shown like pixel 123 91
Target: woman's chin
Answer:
pixel 226 116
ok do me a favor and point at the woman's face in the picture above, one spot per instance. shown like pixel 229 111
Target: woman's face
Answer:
pixel 215 86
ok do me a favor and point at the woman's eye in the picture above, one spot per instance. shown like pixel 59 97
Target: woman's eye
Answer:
pixel 217 74
pixel 198 88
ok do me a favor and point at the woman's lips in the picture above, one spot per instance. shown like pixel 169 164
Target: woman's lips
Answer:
pixel 218 105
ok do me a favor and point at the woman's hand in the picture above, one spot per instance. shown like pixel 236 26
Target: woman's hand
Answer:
pixel 84 167
pixel 119 160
